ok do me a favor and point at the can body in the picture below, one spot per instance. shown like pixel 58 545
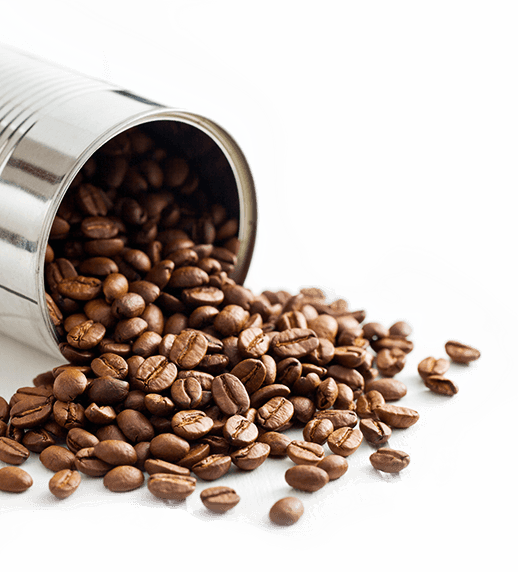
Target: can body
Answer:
pixel 52 120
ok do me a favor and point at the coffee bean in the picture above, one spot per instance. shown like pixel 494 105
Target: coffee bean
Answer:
pixel 350 356
pixel 135 426
pixel 251 456
pixel 212 467
pixel 153 466
pixel 115 285
pixel 296 343
pixel 308 478
pixel 338 417
pixel 111 365
pixel 304 453
pixel 86 335
pixel 30 411
pixel 64 483
pixel 389 460
pixel 334 465
pixel 36 440
pixel 367 403
pixel 431 366
pixel 219 499
pixel 391 343
pixel 391 389
pixel 253 343
pixel 188 349
pixel 374 431
pixel 57 458
pixel 80 287
pixel 171 487
pixel 69 384
pixel 115 452
pixel 441 385
pixel 275 414
pixel 87 462
pixel 12 452
pixel 78 438
pixel 277 442
pixel 155 374
pixel 390 361
pixel 123 478
pixel 169 447
pixel 318 430
pixel 326 393
pixel 397 416
pixel 191 424
pixel 400 329
pixel 108 390
pixel 289 371
pixel 252 373
pixel 345 441
pixel 461 353
pixel 286 511
pixel 14 480
pixel 230 394
pixel 264 394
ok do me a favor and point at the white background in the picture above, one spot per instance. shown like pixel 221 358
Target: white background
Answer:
pixel 383 141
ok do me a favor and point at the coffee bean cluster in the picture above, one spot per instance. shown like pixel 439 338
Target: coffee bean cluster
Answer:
pixel 175 370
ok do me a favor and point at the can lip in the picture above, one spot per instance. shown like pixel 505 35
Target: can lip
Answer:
pixel 229 147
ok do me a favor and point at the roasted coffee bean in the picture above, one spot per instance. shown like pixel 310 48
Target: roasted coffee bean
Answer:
pixel 239 431
pixel 188 349
pixel 231 320
pixel 390 361
pixel 252 373
pixel 110 431
pixel 57 458
pixel 89 464
pixel 212 467
pixel 391 389
pixel 326 393
pixel 130 305
pixel 345 398
pixel 334 465
pixel 169 447
pixel 64 483
pixel 108 390
pixel 203 296
pixel 155 374
pixel 196 454
pixel 296 343
pixel 135 426
pixel 345 441
pixel 303 408
pixel 69 384
pixel 230 394
pixel 275 414
pixel 129 329
pixel 350 356
pixel 400 329
pixel 289 371
pixel 278 443
pixel 31 411
pixel 69 414
pixel 78 438
pixel 441 385
pixel 308 478
pixel 389 460
pixel 391 343
pixel 12 452
pixel 286 511
pixel 80 287
pixel 153 466
pixel 123 478
pixel 219 499
pixel 36 440
pixel 171 487
pixel 158 404
pixel 431 366
pixel 14 480
pixel 186 393
pixel 191 424
pixel 304 453
pixel 100 415
pixel 338 417
pixel 251 456
pixel 374 431
pixel 375 331
pixel 397 416
pixel 318 430
pixel 111 365
pixel 351 377
pixel 115 452
pixel 461 353
pixel 115 286
pixel 367 402
pixel 86 335
pixel 253 343
pixel 264 394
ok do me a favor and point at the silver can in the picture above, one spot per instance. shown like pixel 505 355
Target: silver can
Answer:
pixel 52 120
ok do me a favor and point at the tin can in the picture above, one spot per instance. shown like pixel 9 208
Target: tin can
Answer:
pixel 52 120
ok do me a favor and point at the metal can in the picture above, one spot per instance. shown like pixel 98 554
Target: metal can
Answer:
pixel 52 120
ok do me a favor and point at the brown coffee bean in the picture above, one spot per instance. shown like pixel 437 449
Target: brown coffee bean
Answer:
pixel 188 349
pixel 108 390
pixel 461 353
pixel 123 478
pixel 31 411
pixel 308 478
pixel 375 331
pixel 115 452
pixel 304 453
pixel 441 385
pixel 196 454
pixel 278 443
pixel 351 377
pixel 69 414
pixel 171 487
pixel 69 384
pixel 392 342
pixel 14 480
pixel 135 426
pixel 400 329
pixel 338 417
pixel 375 432
pixel 296 343
pixel 345 398
pixel 289 370
pixel 80 287
pixel 12 452
pixel 169 447
pixel 191 424
pixel 318 430
pixel 326 393
pixel 212 467
pixel 251 456
pixel 431 366
pixel 390 361
pixel 345 441
pixel 114 286
pixel 111 365
pixel 397 416
pixel 153 466
pixel 230 394
pixel 350 356
pixel 274 414
pixel 64 483
pixel 130 305
pixel 155 374
pixel 286 511
pixel 203 296
pixel 367 402
pixel 264 394
pixel 219 499
pixel 334 465
pixel 253 343
pixel 239 431
pixel 186 393
pixel 89 464
pixel 252 373
pixel 391 389
pixel 129 329
pixel 57 458
pixel 158 405
pixel 389 460
pixel 86 335
pixel 78 438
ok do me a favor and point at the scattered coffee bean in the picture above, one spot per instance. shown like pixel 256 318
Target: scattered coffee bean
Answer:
pixel 219 499
pixel 14 480
pixel 431 366
pixel 12 452
pixel 397 416
pixel 123 478
pixel 308 478
pixel 334 465
pixel 441 385
pixel 461 353
pixel 171 487
pixel 389 460
pixel 286 511
pixel 304 453
pixel 64 483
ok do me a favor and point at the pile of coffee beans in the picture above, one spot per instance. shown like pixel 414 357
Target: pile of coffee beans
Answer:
pixel 175 370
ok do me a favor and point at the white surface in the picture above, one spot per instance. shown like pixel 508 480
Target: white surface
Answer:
pixel 383 141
